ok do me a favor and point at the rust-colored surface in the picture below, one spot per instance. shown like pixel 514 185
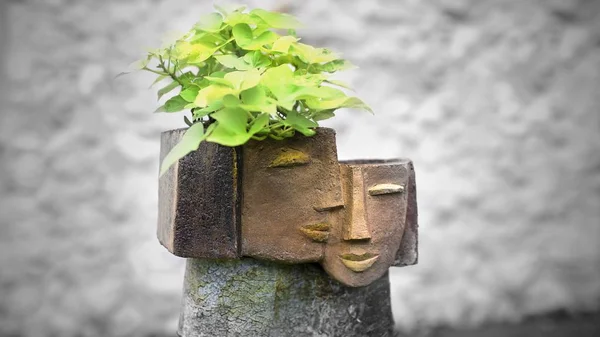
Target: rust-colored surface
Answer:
pixel 288 187
pixel 367 233
pixel 199 201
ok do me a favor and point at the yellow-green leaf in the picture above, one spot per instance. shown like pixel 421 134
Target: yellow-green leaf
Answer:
pixel 189 94
pixel 234 62
pixel 243 80
pixel 259 124
pixel 170 87
pixel 282 45
pixel 242 33
pixel 277 20
pixel 190 142
pixel 212 93
pixel 211 22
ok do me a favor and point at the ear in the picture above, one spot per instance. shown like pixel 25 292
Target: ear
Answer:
pixel 408 253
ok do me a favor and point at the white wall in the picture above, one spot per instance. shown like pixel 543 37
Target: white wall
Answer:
pixel 496 101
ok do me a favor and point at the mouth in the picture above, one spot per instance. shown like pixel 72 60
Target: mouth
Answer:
pixel 358 262
pixel 318 232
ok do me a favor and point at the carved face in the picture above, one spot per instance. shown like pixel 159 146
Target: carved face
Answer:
pixel 301 205
pixel 289 188
pixel 368 231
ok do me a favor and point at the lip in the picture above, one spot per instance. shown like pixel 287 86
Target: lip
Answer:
pixel 358 262
pixel 318 232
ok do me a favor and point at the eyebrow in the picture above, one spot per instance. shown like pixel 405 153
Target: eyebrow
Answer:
pixel 290 157
pixel 380 189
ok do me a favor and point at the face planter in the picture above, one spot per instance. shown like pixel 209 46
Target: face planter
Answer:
pixel 291 201
pixel 289 188
pixel 369 229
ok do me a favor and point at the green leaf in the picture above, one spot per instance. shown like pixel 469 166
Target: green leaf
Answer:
pixel 190 93
pixel 310 54
pixel 340 84
pixel 232 61
pixel 232 119
pixel 268 107
pixel 141 63
pixel 214 106
pixel 267 37
pixel 259 124
pixel 300 123
pixel 277 20
pixel 257 59
pixel 158 79
pixel 231 101
pixel 167 89
pixel 193 53
pixel 282 45
pixel 211 22
pixel 187 121
pixel 212 93
pixel 190 142
pixel 254 96
pixel 226 9
pixel 220 81
pixel 175 104
pixel 207 39
pixel 336 103
pixel 323 115
pixel 231 128
pixel 332 67
pixel 255 99
pixel 238 17
pixel 278 80
pixel 242 33
pixel 243 80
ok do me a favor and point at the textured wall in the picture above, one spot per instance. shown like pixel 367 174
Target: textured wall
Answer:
pixel 497 102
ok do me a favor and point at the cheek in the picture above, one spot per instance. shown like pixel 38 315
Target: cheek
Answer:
pixel 385 222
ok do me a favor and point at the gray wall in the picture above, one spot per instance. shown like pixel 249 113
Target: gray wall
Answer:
pixel 496 101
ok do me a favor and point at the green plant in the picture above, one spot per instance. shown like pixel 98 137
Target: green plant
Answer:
pixel 241 79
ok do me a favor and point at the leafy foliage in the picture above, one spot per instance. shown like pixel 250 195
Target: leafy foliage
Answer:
pixel 241 79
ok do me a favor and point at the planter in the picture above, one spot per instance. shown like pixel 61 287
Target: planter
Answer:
pixel 271 210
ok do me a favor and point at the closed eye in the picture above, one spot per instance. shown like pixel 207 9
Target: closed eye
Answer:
pixel 289 158
pixel 382 189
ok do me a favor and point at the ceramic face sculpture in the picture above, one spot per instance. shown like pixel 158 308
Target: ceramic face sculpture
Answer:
pixel 307 207
pixel 289 188
pixel 368 231
pixel 291 201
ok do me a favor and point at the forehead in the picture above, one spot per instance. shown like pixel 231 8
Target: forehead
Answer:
pixel 302 166
pixel 375 172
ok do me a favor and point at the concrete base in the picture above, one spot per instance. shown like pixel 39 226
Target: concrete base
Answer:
pixel 256 298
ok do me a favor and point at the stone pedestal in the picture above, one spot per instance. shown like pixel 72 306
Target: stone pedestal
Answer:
pixel 252 298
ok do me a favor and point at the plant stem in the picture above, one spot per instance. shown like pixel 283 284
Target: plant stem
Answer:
pixel 162 66
pixel 154 71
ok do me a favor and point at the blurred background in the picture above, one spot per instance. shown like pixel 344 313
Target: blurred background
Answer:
pixel 496 101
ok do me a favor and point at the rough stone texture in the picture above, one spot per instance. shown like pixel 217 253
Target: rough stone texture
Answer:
pixel 408 254
pixel 261 299
pixel 496 101
pixel 199 202
pixel 279 201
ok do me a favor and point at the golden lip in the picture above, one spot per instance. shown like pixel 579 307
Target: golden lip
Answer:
pixel 318 232
pixel 358 262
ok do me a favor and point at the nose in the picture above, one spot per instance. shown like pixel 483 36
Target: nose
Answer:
pixel 356 225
